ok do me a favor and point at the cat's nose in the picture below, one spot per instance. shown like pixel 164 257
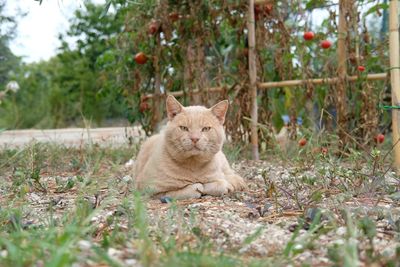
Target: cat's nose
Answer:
pixel 194 139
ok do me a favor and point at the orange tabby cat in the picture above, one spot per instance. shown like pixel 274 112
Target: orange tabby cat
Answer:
pixel 185 160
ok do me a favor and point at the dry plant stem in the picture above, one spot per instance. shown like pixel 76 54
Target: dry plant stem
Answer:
pixel 374 177
pixel 342 71
pixel 384 157
pixel 253 80
pixel 352 138
pixel 295 198
pixel 394 48
pixel 157 82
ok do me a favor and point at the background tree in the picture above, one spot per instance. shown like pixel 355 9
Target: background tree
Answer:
pixel 8 61
pixel 72 85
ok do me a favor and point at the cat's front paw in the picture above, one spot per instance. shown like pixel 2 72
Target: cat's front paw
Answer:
pixel 190 191
pixel 198 187
pixel 237 182
pixel 218 188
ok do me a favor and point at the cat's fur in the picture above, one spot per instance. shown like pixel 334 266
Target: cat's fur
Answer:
pixel 185 160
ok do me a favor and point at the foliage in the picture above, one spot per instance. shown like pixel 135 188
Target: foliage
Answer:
pixel 194 46
pixel 197 46
pixel 69 87
pixel 9 62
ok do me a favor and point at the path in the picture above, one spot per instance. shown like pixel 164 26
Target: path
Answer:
pixel 71 136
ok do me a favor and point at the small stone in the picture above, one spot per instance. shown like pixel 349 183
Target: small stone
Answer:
pixel 129 163
pixel 3 253
pixel 298 246
pixel 126 179
pixel 165 199
pixel 35 197
pixel 253 214
pixel 131 262
pixel 341 231
pixel 293 227
pixel 114 253
pixel 84 245
pixel 27 225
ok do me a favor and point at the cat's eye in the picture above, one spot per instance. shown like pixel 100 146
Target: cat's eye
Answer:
pixel 184 128
pixel 206 129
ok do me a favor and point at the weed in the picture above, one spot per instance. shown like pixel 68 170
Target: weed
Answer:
pixel 60 206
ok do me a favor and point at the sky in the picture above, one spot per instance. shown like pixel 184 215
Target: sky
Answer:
pixel 37 32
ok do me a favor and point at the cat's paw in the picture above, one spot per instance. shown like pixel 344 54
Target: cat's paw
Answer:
pixel 190 191
pixel 198 187
pixel 218 188
pixel 237 182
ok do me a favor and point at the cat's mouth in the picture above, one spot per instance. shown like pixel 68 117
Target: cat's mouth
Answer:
pixel 196 148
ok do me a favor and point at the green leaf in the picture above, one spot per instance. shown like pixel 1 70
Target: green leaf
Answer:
pixel 375 8
pixel 312 4
pixel 106 8
pixel 368 227
pixel 395 196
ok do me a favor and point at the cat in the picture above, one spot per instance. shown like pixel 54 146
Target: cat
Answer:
pixel 185 159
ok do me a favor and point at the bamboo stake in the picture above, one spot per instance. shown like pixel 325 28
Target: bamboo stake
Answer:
pixel 291 83
pixel 253 80
pixel 395 77
pixel 288 83
pixel 341 106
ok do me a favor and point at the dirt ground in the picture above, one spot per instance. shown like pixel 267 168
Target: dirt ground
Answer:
pixel 257 223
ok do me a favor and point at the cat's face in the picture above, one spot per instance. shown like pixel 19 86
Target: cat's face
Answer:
pixel 195 130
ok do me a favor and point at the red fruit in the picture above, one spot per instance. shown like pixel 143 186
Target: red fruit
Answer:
pixel 257 9
pixel 260 9
pixel 380 138
pixel 268 8
pixel 325 44
pixel 153 27
pixel 140 58
pixel 361 68
pixel 302 142
pixel 308 36
pixel 324 150
pixel 143 106
pixel 173 16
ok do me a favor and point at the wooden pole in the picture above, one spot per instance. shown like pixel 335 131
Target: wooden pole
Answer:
pixel 395 77
pixel 288 83
pixel 253 80
pixel 341 105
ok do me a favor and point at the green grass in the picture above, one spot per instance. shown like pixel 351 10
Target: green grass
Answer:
pixel 91 178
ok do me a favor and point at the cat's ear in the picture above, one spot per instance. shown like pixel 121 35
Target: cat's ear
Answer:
pixel 173 107
pixel 220 109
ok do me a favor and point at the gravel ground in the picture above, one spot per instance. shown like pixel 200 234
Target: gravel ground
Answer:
pixel 256 223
